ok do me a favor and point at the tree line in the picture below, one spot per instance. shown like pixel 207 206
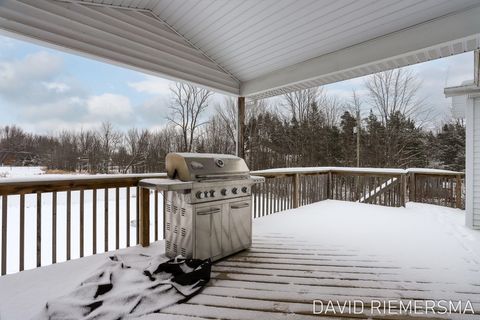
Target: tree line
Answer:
pixel 385 124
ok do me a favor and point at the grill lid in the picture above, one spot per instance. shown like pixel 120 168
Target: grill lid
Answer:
pixel 205 166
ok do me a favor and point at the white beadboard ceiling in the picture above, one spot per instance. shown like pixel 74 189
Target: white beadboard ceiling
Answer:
pixel 257 48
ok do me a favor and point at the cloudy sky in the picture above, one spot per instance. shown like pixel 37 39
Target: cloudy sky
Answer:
pixel 45 90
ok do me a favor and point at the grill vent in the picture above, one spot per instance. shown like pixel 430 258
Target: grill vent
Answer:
pixel 168 245
pixel 175 230
pixel 183 252
pixel 168 208
pixel 168 226
pixel 183 212
pixel 175 209
pixel 175 248
pixel 184 232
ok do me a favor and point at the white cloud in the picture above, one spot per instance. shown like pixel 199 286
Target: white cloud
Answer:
pixel 110 106
pixel 152 85
pixel 22 80
pixel 58 87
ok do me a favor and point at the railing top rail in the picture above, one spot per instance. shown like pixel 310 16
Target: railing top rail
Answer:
pixel 439 172
pixel 45 183
pixel 358 171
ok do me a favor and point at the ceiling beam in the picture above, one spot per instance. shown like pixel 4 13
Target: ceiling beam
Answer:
pixel 419 43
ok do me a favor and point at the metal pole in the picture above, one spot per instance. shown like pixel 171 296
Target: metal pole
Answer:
pixel 358 138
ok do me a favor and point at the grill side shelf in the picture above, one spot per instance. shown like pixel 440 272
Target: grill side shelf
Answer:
pixel 165 184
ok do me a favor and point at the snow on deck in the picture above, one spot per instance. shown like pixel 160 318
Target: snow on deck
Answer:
pixel 330 250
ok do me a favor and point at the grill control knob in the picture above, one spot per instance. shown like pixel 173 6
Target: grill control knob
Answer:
pixel 224 192
pixel 234 190
pixel 244 189
pixel 200 195
pixel 212 193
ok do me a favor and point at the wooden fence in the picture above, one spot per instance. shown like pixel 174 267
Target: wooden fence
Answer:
pixel 72 218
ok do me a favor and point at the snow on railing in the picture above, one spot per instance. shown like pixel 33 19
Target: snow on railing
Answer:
pixel 59 218
pixel 46 220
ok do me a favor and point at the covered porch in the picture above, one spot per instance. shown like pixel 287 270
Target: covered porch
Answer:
pixel 319 233
pixel 375 255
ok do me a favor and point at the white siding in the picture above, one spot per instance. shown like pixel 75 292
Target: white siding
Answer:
pixel 473 163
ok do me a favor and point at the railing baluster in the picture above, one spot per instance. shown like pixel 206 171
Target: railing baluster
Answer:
pixel 156 215
pixel 39 229
pixel 4 234
pixel 54 227
pixel 254 193
pixel 22 233
pixel 127 225
pixel 69 223
pixel 137 214
pixel 94 221
pixel 117 218
pixel 105 220
pixel 82 219
pixel 264 195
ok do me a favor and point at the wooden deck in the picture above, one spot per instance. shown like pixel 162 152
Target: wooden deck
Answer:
pixel 332 250
pixel 281 275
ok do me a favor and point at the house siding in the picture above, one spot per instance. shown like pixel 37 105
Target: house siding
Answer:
pixel 474 162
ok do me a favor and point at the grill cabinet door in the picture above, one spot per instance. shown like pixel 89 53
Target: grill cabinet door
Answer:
pixel 208 232
pixel 240 224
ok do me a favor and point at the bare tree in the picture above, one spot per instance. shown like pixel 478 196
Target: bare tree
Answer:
pixel 227 112
pixel 189 102
pixel 396 91
pixel 299 103
pixel 137 147
pixel 110 140
pixel 332 108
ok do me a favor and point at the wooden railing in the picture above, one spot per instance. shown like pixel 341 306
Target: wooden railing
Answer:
pixel 294 187
pixel 53 216
pixel 286 190
pixel 441 188
pixel 58 219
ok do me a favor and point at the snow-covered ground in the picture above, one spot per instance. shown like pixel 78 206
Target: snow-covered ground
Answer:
pixel 26 173
pixel 14 172
pixel 428 247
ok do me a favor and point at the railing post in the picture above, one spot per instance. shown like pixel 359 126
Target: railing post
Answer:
pixel 3 269
pixel 458 192
pixel 413 184
pixel 296 190
pixel 329 185
pixel 144 217
pixel 403 189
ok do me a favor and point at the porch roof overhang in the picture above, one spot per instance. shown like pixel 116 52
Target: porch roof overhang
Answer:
pixel 251 48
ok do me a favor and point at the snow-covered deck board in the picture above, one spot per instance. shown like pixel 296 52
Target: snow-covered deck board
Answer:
pixel 330 250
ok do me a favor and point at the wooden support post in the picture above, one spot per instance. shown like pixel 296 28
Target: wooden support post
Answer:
pixel 241 127
pixel 296 190
pixel 458 192
pixel 144 218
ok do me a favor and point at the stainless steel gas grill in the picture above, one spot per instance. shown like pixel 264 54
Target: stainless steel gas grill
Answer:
pixel 208 209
